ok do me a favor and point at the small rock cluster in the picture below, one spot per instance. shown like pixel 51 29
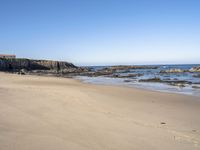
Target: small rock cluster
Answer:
pixel 193 69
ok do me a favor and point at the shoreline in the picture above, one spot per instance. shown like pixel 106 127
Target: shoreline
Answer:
pixel 141 87
pixel 62 113
pixel 110 84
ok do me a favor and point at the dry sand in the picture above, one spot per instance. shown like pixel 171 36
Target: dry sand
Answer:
pixel 51 113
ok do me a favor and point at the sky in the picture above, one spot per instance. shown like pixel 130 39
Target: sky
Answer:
pixel 102 32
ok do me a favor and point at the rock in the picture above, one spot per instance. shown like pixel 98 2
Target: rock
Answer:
pixel 180 83
pixel 126 68
pixel 108 71
pixel 194 130
pixel 13 64
pixel 196 75
pixel 101 73
pixel 151 80
pixel 173 71
pixel 177 84
pixel 196 87
pixel 50 65
pixel 28 64
pixel 22 72
pixel 41 67
pixel 127 80
pixel 127 76
pixel 195 69
pixel 121 67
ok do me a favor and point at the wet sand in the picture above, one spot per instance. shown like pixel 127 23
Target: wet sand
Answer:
pixel 52 113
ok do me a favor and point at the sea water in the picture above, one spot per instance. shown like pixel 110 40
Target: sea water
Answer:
pixel 151 73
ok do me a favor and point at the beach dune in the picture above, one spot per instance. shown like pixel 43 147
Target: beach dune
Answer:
pixel 52 113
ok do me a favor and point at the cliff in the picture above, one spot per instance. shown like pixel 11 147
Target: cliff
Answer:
pixel 29 64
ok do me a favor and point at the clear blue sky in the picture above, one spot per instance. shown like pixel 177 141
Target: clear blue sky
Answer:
pixel 100 32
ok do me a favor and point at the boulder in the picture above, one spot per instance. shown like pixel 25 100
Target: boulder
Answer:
pixel 173 71
pixel 127 76
pixel 196 87
pixel 22 72
pixel 195 69
pixel 196 75
pixel 180 83
pixel 156 79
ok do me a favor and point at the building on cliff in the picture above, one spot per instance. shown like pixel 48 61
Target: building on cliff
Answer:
pixel 7 56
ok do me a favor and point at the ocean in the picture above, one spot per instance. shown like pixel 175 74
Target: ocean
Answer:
pixel 189 89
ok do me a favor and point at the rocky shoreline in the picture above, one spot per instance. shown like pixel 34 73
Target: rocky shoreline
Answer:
pixel 113 70
pixel 130 74
pixel 66 69
pixel 193 69
pixel 39 67
pixel 180 83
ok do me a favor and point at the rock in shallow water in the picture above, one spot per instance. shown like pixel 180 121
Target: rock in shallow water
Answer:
pixel 173 71
pixel 127 80
pixel 196 87
pixel 179 83
pixel 151 80
pixel 111 71
pixel 196 75
pixel 126 76
pixel 195 69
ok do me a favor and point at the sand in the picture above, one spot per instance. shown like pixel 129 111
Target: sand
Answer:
pixel 50 113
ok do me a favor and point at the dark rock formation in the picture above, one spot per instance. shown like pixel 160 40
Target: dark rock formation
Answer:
pixel 127 80
pixel 13 64
pixel 109 71
pixel 28 64
pixel 196 87
pixel 173 71
pixel 118 68
pixel 196 75
pixel 180 83
pixel 195 69
pixel 97 73
pixel 151 80
pixel 41 67
pixel 126 76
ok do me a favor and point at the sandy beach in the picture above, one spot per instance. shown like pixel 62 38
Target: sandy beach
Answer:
pixel 52 113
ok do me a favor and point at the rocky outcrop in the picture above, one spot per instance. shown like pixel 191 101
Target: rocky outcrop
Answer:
pixel 195 69
pixel 151 80
pixel 196 75
pixel 196 87
pixel 126 76
pixel 28 64
pixel 180 83
pixel 118 68
pixel 173 71
pixel 109 71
